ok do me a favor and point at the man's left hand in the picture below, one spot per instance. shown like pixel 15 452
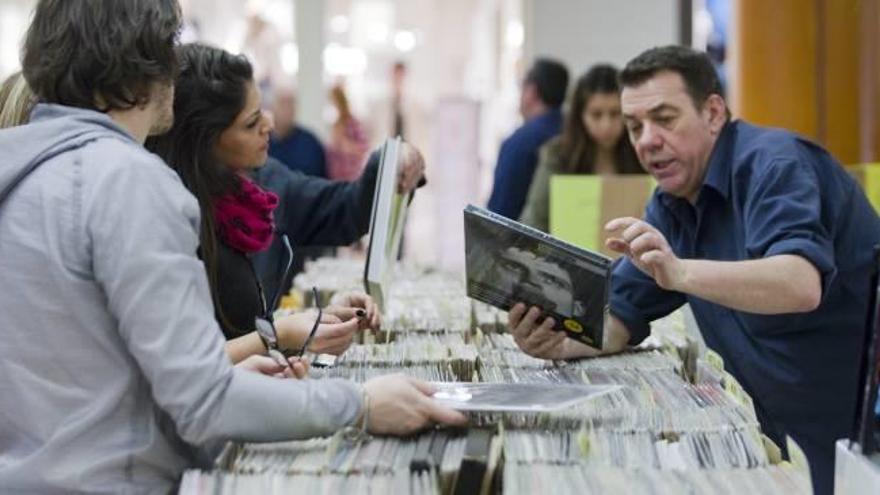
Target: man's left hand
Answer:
pixel 648 249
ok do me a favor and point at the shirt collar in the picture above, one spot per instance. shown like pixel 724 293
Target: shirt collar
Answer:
pixel 720 161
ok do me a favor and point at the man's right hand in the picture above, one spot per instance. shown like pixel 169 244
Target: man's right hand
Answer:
pixel 538 339
pixel 401 405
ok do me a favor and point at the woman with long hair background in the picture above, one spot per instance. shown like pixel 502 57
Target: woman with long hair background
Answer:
pixel 592 142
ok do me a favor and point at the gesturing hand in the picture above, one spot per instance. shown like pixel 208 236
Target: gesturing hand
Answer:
pixel 648 249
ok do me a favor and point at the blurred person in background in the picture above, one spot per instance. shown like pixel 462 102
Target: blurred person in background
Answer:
pixel 592 142
pixel 543 91
pixel 291 144
pixel 349 143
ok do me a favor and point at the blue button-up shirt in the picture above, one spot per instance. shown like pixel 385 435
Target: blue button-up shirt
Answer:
pixel 768 192
pixel 517 160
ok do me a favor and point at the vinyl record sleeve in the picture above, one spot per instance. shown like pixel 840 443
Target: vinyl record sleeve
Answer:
pixel 515 397
pixel 387 221
pixel 508 262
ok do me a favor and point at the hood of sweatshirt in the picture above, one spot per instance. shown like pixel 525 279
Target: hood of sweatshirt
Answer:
pixel 52 130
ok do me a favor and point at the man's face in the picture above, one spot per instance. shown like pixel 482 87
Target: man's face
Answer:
pixel 522 274
pixel 672 138
pixel 162 99
pixel 528 96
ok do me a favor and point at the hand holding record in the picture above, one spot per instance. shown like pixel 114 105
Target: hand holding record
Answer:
pixel 538 339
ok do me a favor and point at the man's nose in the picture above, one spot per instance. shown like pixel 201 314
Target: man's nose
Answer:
pixel 650 137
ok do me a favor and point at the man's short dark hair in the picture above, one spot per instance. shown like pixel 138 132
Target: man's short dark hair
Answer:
pixel 100 54
pixel 695 68
pixel 550 77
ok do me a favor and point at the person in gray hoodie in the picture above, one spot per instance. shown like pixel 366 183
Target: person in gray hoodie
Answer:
pixel 112 368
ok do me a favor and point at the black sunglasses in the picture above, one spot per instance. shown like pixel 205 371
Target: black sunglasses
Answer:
pixel 266 323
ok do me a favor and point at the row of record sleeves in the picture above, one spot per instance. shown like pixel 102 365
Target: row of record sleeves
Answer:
pixel 678 423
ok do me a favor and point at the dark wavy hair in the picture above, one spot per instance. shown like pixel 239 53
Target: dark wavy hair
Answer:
pixel 575 145
pixel 695 68
pixel 100 54
pixel 209 93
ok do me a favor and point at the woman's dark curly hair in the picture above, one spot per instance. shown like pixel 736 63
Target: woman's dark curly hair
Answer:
pixel 209 92
pixel 100 54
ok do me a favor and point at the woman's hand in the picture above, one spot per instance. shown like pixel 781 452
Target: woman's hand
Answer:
pixel 298 367
pixel 412 169
pixel 333 335
pixel 356 305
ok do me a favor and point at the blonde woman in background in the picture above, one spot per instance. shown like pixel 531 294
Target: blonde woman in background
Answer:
pixel 16 101
pixel 349 144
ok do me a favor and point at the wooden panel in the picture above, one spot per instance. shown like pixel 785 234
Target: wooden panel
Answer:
pixel 840 69
pixel 775 76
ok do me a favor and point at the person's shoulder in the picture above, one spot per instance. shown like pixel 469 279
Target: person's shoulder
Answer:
pixel 551 152
pixel 274 173
pixel 768 146
pixel 307 135
pixel 121 157
pixel 527 138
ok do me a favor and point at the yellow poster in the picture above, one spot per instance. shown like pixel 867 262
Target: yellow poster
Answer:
pixel 575 209
pixel 872 184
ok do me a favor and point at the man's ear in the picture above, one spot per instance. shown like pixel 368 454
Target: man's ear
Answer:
pixel 715 109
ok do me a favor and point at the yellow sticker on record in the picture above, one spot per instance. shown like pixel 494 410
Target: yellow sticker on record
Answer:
pixel 573 326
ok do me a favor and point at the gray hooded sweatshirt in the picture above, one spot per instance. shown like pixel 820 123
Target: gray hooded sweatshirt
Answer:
pixel 111 364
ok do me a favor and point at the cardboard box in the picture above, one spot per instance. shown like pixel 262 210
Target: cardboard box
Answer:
pixel 868 176
pixel 581 205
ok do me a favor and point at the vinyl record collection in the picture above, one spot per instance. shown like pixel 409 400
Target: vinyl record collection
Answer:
pixel 677 424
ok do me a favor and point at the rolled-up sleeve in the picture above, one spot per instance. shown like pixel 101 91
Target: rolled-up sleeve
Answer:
pixel 783 215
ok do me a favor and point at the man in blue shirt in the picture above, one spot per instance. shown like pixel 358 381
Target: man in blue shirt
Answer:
pixel 291 144
pixel 762 232
pixel 542 95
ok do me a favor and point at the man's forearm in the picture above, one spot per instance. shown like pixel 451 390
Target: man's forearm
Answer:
pixel 616 337
pixel 774 285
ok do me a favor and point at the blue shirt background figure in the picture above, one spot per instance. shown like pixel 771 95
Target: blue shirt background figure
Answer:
pixel 291 144
pixel 543 91
pixel 299 150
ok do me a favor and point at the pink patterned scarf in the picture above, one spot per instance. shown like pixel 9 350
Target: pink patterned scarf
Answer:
pixel 244 218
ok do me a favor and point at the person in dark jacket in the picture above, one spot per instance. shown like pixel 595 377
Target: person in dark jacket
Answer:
pixel 220 135
pixel 313 212
pixel 543 92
